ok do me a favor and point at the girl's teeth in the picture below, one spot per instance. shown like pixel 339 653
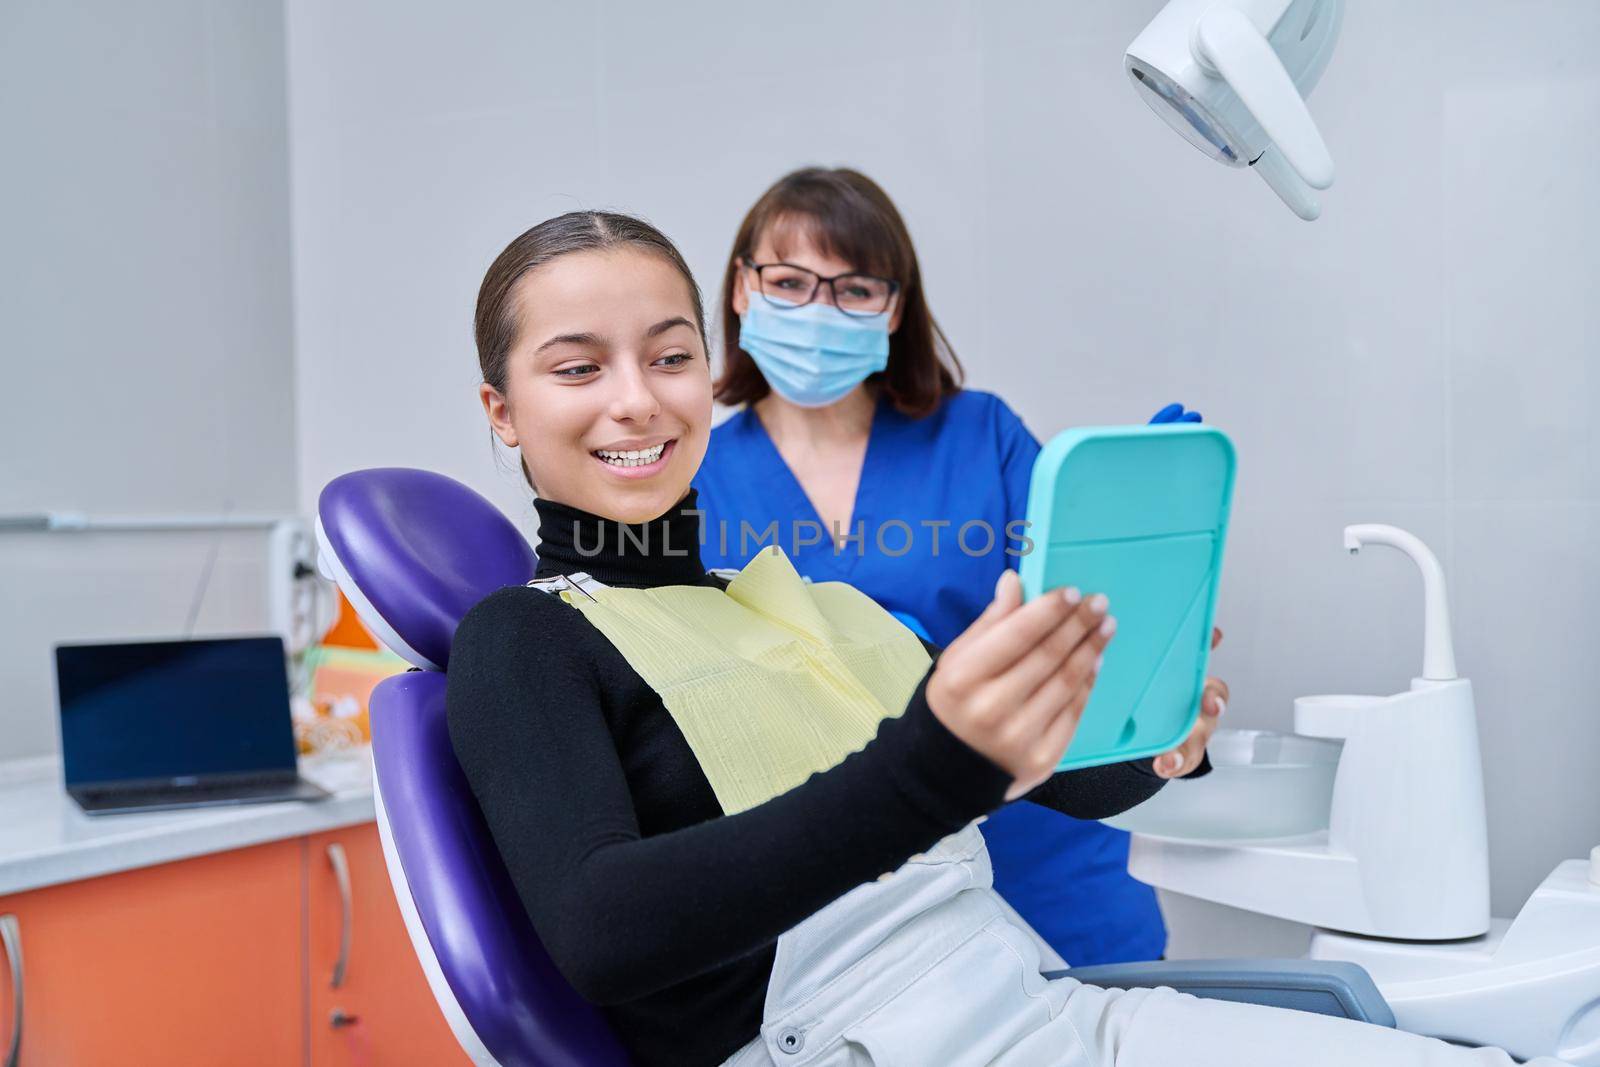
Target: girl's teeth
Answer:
pixel 639 458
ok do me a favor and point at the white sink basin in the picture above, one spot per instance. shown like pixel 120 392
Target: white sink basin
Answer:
pixel 1262 784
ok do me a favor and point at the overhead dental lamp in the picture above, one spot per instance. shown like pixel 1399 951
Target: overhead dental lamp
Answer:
pixel 1231 76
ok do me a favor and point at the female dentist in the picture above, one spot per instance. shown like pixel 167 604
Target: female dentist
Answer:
pixel 857 450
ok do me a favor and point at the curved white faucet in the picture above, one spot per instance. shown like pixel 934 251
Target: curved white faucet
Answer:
pixel 1438 653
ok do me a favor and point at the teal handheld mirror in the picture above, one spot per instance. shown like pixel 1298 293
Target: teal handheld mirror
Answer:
pixel 1140 514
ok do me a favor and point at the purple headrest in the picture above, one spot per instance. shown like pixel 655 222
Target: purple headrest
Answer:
pixel 413 551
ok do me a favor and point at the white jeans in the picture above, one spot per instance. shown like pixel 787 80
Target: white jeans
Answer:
pixel 923 967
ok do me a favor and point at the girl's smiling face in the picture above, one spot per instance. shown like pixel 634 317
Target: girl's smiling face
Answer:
pixel 608 391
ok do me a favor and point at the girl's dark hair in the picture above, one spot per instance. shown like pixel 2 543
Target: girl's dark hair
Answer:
pixel 495 324
pixel 846 215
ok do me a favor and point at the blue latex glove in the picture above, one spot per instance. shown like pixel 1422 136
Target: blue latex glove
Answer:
pixel 1174 413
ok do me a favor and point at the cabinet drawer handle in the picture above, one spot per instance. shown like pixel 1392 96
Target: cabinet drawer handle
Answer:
pixel 341 874
pixel 11 948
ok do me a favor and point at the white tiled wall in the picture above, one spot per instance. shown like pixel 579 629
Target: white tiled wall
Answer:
pixel 1423 355
pixel 145 321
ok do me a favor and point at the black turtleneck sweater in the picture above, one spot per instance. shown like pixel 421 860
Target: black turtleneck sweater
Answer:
pixel 652 902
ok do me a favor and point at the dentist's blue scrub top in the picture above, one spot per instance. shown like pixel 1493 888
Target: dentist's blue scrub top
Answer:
pixel 968 465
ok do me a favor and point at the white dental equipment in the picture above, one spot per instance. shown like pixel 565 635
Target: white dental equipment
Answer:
pixel 1231 76
pixel 1393 871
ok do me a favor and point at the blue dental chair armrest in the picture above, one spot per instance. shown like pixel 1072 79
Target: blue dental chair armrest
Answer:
pixel 1325 987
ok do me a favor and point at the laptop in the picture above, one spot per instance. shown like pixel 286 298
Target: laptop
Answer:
pixel 177 724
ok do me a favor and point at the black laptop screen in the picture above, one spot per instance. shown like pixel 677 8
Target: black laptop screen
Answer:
pixel 173 709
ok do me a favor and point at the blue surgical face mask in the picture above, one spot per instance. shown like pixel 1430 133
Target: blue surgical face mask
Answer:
pixel 813 354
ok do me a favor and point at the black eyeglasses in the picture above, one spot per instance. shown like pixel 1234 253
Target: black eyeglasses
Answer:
pixel 786 286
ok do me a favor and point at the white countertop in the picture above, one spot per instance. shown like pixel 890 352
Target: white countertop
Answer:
pixel 46 839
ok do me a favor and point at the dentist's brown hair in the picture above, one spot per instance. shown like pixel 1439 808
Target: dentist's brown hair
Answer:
pixel 845 214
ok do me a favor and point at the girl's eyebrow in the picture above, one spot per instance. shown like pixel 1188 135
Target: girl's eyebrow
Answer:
pixel 666 324
pixel 596 340
pixel 570 339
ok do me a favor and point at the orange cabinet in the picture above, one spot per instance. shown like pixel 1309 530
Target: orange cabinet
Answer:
pixel 287 953
pixel 194 962
pixel 369 1002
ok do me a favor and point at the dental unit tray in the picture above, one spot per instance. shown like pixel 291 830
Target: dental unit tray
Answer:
pixel 1140 514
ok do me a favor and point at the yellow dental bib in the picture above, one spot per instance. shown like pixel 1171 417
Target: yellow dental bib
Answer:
pixel 770 680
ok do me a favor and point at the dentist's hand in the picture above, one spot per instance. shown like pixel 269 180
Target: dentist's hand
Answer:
pixel 1213 702
pixel 1014 684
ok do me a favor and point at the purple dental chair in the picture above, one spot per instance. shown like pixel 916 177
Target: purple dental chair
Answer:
pixel 413 551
